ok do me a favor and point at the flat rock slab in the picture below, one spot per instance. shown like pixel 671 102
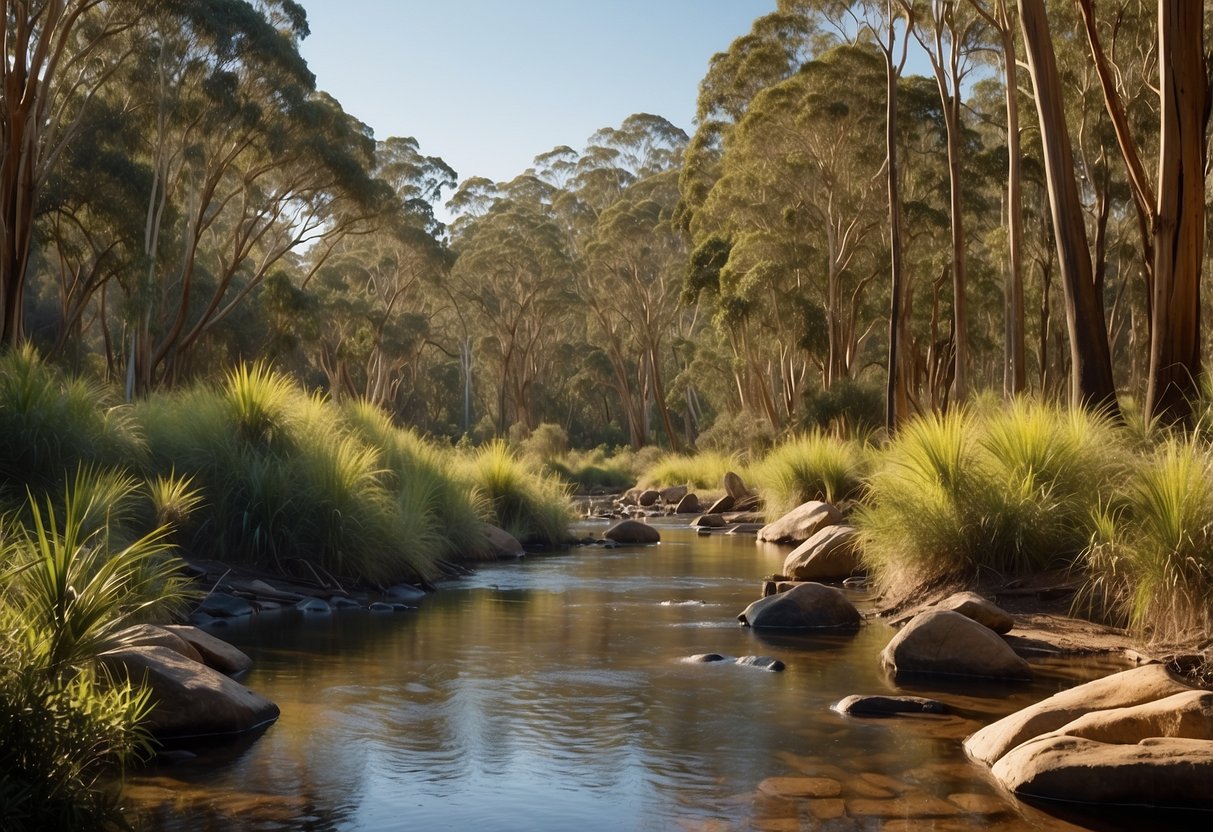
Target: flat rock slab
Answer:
pixel 632 531
pixel 856 705
pixel 801 523
pixel 1147 683
pixel 946 643
pixel 804 607
pixel 1164 772
pixel 800 787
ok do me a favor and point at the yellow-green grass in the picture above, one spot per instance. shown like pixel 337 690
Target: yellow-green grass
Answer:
pixel 518 497
pixel 813 466
pixel 704 470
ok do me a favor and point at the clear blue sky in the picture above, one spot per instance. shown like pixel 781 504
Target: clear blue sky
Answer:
pixel 490 84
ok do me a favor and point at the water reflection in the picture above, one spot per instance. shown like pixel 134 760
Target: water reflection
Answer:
pixel 551 694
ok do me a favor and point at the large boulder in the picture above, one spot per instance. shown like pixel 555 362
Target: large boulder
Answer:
pixel 502 544
pixel 649 497
pixel 1155 772
pixel 689 504
pixel 803 607
pixel 980 609
pixel 632 531
pixel 215 652
pixel 1187 715
pixel 1147 683
pixel 149 635
pixel 190 699
pixel 801 523
pixel 946 643
pixel 829 555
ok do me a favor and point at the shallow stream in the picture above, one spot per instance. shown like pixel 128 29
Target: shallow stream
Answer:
pixel 552 694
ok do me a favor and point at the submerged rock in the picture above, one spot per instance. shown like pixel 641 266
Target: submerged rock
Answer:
pixel 942 642
pixel 803 607
pixel 888 705
pixel 222 605
pixel 762 663
pixel 705 658
pixel 801 523
pixel 710 521
pixel 632 531
pixel 314 606
pixel 406 593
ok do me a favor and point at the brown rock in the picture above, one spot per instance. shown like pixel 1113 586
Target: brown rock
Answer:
pixel 942 642
pixel 710 521
pixel 149 635
pixel 1188 715
pixel 215 652
pixel 829 555
pixel 673 493
pixel 689 504
pixel 734 487
pixel 722 505
pixel 800 787
pixel 632 531
pixel 913 805
pixel 649 497
pixel 982 610
pixel 979 804
pixel 804 607
pixel 190 699
pixel 503 545
pixel 1120 690
pixel 1154 772
pixel 801 523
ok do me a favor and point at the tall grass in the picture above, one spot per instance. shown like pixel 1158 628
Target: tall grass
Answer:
pixel 1011 492
pixel 810 467
pixel 1151 560
pixel 704 470
pixel 532 506
pixel 72 577
pixel 50 424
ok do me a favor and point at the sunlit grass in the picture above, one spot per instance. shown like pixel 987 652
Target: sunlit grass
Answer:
pixel 810 467
pixel 703 471
pixel 532 506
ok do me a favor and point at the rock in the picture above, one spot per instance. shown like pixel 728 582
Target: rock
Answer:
pixel 942 642
pixel 630 497
pixel 709 521
pixel 215 652
pixel 889 706
pixel 982 610
pixel 689 504
pixel 734 487
pixel 649 497
pixel 1120 690
pixel 406 593
pixel 632 531
pixel 705 658
pixel 751 503
pixel 829 555
pixel 190 699
pixel 314 606
pixel 776 585
pixel 502 544
pixel 801 523
pixel 804 607
pixel 722 505
pixel 799 788
pixel 381 607
pixel 745 517
pixel 340 602
pixel 1187 715
pixel 673 493
pixel 1155 772
pixel 149 635
pixel 222 605
pixel 745 528
pixel 201 619
pixel 761 662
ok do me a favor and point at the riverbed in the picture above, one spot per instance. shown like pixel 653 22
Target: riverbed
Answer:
pixel 554 694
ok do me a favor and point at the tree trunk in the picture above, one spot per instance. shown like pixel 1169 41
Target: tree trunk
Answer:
pixel 897 401
pixel 1015 377
pixel 1091 381
pixel 1179 222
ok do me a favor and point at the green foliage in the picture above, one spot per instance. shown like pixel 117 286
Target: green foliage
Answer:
pixel 704 470
pixel 1014 492
pixel 850 408
pixel 1151 559
pixel 810 467
pixel 530 505
pixel 71 579
pixel 50 424
pixel 597 469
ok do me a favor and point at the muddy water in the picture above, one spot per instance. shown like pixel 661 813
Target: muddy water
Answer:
pixel 552 694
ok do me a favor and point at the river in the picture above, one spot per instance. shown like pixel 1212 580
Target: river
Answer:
pixel 553 694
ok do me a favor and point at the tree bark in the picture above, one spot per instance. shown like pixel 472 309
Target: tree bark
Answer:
pixel 1091 383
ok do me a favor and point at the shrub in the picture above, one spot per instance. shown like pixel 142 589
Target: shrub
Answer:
pixel 531 505
pixel 810 467
pixel 704 470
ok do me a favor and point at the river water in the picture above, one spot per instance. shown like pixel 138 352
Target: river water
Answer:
pixel 552 694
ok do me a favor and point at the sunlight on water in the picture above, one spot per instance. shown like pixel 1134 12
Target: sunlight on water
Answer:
pixel 552 694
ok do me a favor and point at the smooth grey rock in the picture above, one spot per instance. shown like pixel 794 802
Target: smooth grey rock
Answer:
pixel 215 652
pixel 222 605
pixel 406 593
pixel 856 705
pixel 801 523
pixel 946 643
pixel 762 663
pixel 314 606
pixel 341 602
